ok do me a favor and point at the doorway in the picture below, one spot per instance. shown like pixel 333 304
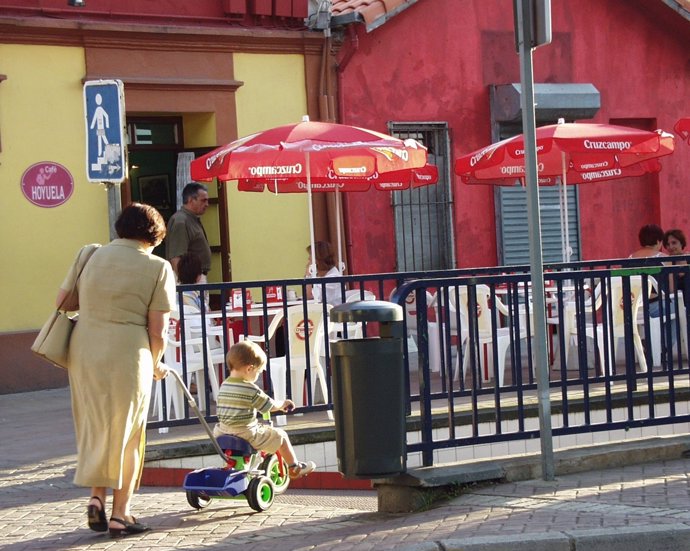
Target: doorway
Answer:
pixel 156 145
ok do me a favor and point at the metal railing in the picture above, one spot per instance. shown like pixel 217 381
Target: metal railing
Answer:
pixel 471 378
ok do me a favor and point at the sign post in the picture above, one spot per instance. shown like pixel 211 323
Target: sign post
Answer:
pixel 104 108
pixel 533 29
pixel 106 148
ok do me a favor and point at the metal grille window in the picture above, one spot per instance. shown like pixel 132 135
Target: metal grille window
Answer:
pixel 423 216
pixel 512 225
pixel 511 218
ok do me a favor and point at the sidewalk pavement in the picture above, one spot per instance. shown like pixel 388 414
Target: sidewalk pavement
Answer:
pixel 643 507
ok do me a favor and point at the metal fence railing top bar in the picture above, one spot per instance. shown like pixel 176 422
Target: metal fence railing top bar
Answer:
pixel 617 332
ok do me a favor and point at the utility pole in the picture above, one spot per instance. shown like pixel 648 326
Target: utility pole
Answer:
pixel 533 29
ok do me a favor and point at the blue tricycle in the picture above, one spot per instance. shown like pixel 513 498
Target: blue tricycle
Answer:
pixel 248 473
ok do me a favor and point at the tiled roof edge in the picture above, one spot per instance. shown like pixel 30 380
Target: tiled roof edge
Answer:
pixel 346 19
pixel 682 7
pixel 376 23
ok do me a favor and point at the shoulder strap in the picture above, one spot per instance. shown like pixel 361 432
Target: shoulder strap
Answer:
pixel 86 252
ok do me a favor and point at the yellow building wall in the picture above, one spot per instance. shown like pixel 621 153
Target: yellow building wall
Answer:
pixel 268 233
pixel 42 119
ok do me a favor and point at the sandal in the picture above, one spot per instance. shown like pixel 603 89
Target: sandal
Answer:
pixel 96 516
pixel 130 528
pixel 300 469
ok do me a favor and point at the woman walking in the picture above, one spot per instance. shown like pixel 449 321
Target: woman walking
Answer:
pixel 125 298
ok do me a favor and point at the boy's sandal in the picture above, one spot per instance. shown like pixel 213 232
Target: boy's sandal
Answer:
pixel 130 528
pixel 96 516
pixel 300 469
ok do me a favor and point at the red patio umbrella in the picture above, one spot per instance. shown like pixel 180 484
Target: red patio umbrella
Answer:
pixel 649 166
pixel 310 152
pixel 579 146
pixel 682 128
pixel 388 181
pixel 397 180
pixel 569 153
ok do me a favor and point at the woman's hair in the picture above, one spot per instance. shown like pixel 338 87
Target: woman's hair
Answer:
pixel 246 353
pixel 650 235
pixel 323 257
pixel 189 268
pixel 141 222
pixel 678 234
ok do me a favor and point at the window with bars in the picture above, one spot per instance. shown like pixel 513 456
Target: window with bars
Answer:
pixel 423 216
pixel 511 217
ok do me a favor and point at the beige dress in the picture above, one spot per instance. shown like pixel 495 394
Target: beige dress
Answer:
pixel 110 364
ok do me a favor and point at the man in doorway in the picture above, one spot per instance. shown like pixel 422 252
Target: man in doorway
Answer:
pixel 185 232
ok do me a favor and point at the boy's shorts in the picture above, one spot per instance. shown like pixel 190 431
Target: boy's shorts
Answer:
pixel 262 437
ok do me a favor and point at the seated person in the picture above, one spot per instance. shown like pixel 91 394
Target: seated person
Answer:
pixel 651 239
pixel 325 267
pixel 239 399
pixel 674 243
pixel 189 273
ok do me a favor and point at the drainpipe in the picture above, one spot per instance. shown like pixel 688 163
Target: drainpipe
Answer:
pixel 326 107
pixel 340 68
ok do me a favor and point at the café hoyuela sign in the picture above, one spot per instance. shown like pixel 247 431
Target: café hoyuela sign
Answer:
pixel 47 184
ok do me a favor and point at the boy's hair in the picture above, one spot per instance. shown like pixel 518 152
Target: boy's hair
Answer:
pixel 245 353
pixel 189 269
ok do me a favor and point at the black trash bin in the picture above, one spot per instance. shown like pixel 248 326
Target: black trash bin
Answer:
pixel 369 392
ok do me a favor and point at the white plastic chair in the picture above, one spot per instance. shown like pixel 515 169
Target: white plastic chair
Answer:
pixel 485 332
pixel 617 326
pixel 194 353
pixel 432 327
pixel 268 334
pixel 568 325
pixel 353 295
pixel 214 335
pixel 300 332
pixel 354 329
pixel 655 325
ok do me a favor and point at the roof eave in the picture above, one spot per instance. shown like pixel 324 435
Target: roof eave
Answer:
pixel 346 19
pixel 357 17
pixel 376 23
pixel 682 8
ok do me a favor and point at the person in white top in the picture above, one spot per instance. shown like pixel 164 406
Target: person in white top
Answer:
pixel 675 242
pixel 325 267
pixel 651 238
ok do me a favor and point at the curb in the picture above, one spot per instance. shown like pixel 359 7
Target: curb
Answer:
pixel 643 538
pixel 414 489
pixel 318 480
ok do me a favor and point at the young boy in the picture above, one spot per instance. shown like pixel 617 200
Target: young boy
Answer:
pixel 239 399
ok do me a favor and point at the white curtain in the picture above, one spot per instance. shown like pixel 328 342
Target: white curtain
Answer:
pixel 184 176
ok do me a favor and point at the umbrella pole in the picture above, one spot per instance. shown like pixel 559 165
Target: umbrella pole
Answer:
pixel 564 182
pixel 312 267
pixel 341 264
pixel 564 254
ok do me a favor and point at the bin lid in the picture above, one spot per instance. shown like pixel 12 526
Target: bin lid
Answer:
pixel 367 310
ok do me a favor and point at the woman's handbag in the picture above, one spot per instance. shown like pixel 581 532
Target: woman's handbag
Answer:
pixel 52 342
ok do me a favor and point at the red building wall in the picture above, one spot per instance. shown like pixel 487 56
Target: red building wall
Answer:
pixel 435 62
pixel 279 13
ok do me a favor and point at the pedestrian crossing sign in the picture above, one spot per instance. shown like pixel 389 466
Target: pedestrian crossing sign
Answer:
pixel 106 149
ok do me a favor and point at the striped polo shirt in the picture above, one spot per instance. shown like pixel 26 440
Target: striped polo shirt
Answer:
pixel 239 400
